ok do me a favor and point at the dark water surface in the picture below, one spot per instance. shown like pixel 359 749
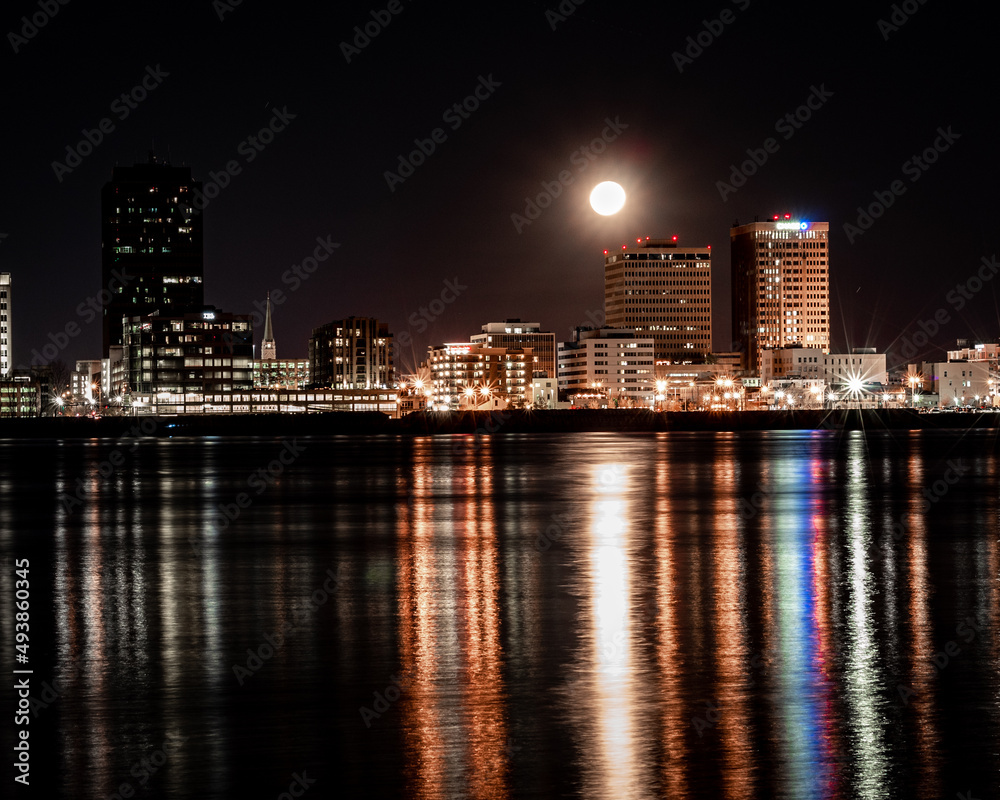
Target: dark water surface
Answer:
pixel 585 615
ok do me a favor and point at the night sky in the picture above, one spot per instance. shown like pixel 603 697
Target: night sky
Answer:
pixel 549 85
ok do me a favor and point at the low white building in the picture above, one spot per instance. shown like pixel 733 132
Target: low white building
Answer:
pixel 614 360
pixel 545 393
pixel 958 382
pixel 833 369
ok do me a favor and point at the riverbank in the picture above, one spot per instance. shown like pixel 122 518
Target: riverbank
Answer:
pixel 499 422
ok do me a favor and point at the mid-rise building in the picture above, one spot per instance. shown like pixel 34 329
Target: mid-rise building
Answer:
pixel 465 375
pixel 187 361
pixel 351 353
pixel 151 245
pixel 832 369
pixel 780 286
pixel 618 361
pixel 662 290
pixel 513 334
pixel 6 353
pixel 20 396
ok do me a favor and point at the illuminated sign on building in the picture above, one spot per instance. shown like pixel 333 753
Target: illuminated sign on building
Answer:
pixel 792 226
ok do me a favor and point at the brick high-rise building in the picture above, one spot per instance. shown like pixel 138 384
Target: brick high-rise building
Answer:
pixel 781 286
pixel 662 290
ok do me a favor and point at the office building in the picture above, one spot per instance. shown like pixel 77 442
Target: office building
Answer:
pixel 662 290
pixel 618 361
pixel 351 353
pixel 780 286
pixel 513 334
pixel 6 353
pixel 6 344
pixel 20 397
pixel 190 363
pixel 151 245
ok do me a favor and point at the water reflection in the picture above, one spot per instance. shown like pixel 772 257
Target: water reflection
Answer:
pixel 608 700
pixel 452 703
pixel 711 618
pixel 864 684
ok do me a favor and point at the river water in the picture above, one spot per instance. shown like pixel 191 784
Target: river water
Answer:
pixel 707 615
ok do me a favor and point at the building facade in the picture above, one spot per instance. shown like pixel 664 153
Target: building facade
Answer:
pixel 188 360
pixel 662 290
pixel 465 375
pixel 958 383
pixel 284 373
pixel 619 362
pixel 267 401
pixel 780 286
pixel 512 334
pixel 351 353
pixel 988 352
pixel 151 245
pixel 85 383
pixel 20 396
pixel 833 369
pixel 6 351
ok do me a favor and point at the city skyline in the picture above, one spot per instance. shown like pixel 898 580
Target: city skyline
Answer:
pixel 492 154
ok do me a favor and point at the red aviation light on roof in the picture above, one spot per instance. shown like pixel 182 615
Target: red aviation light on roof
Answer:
pixel 673 238
pixel 605 252
pixel 788 216
pixel 775 216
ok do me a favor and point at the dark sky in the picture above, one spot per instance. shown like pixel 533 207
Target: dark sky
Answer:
pixel 552 90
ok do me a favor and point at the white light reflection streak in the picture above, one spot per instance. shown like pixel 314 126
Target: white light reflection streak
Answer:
pixel 862 685
pixel 613 763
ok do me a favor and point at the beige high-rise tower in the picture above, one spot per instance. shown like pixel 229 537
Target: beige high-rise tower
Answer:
pixel 662 289
pixel 781 286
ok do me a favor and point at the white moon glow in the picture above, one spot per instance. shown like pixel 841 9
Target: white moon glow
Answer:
pixel 607 198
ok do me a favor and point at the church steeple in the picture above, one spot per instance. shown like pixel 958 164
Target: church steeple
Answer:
pixel 268 351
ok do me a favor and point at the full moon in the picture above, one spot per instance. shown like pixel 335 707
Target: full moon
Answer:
pixel 607 198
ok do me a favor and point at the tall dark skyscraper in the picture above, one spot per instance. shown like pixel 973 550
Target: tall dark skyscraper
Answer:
pixel 151 244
